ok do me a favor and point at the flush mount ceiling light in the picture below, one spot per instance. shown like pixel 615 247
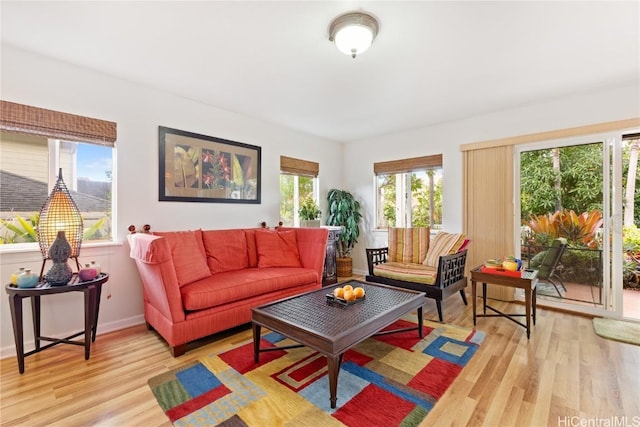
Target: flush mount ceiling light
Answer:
pixel 353 32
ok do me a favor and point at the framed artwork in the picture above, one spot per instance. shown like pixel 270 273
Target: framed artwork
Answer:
pixel 200 168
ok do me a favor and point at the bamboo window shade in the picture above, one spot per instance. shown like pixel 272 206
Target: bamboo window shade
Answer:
pixel 30 120
pixel 408 165
pixel 290 165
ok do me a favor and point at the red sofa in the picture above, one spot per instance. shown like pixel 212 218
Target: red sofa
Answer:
pixel 197 283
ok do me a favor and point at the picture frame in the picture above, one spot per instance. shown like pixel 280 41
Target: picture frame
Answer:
pixel 201 168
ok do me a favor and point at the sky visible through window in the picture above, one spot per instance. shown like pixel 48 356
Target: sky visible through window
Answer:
pixel 94 161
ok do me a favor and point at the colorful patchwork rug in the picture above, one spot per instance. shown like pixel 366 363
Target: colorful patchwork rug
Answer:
pixel 387 380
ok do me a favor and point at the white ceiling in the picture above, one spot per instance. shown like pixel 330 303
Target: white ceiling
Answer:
pixel 431 62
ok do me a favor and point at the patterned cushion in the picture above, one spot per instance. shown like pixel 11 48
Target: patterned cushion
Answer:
pixel 408 244
pixel 226 250
pixel 416 273
pixel 277 249
pixel 443 244
pixel 189 258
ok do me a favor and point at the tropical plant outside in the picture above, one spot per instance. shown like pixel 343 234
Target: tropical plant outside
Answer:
pixel 558 183
pixel 24 230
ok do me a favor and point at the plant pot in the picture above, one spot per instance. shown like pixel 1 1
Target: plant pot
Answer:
pixel 344 266
pixel 310 223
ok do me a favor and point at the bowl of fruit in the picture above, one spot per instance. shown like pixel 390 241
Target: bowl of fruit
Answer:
pixel 346 295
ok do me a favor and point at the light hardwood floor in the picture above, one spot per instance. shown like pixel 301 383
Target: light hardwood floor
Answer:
pixel 565 375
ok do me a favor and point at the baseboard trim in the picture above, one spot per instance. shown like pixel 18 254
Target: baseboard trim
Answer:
pixel 103 328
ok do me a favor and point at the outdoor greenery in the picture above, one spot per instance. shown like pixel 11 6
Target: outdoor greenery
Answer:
pixel 24 230
pixel 344 210
pixel 558 183
pixel 424 191
pixel 580 179
pixel 287 192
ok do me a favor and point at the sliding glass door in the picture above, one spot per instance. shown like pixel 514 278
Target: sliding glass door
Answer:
pixel 568 220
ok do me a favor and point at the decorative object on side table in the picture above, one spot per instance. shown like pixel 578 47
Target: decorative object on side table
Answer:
pixel 87 273
pixel 60 231
pixel 60 272
pixel 26 279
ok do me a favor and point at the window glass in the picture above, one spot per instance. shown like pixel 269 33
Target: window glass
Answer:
pixel 29 169
pixel 409 199
pixel 294 189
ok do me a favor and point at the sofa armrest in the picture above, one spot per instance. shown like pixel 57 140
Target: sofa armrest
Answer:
pixel 312 247
pixel 451 268
pixel 157 272
pixel 376 256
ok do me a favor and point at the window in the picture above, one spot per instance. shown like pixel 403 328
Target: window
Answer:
pixel 36 143
pixel 298 180
pixel 409 193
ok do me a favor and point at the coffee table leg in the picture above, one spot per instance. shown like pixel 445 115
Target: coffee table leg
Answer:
pixel 256 342
pixel 420 321
pixel 333 364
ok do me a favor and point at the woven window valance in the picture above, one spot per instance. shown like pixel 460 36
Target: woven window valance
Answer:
pixel 30 120
pixel 299 167
pixel 408 165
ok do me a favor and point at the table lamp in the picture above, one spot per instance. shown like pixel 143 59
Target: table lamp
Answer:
pixel 59 233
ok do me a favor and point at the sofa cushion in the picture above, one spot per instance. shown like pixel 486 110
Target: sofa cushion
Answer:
pixel 409 272
pixel 252 251
pixel 231 286
pixel 277 249
pixel 408 244
pixel 189 258
pixel 226 250
pixel 443 244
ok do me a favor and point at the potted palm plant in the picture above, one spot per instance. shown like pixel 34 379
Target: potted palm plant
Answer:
pixel 309 213
pixel 344 211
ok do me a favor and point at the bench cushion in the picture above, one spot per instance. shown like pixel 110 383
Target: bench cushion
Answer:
pixel 443 244
pixel 409 272
pixel 408 245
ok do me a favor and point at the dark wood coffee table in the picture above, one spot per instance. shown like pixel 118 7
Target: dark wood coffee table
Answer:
pixel 330 328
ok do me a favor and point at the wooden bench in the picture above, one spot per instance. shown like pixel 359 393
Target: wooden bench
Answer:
pixel 437 283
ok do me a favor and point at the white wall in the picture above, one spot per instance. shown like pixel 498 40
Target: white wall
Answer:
pixel 446 138
pixel 35 80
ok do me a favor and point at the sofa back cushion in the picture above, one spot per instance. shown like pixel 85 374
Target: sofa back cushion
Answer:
pixel 252 251
pixel 277 249
pixel 188 254
pixel 408 245
pixel 226 250
pixel 443 244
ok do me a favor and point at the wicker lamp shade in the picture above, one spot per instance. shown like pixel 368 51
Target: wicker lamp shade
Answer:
pixel 60 213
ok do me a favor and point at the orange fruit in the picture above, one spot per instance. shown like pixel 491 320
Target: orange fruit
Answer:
pixel 347 288
pixel 349 295
pixel 358 292
pixel 338 292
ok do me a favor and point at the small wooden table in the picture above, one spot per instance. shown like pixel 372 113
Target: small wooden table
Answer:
pixel 92 291
pixel 332 329
pixel 527 282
